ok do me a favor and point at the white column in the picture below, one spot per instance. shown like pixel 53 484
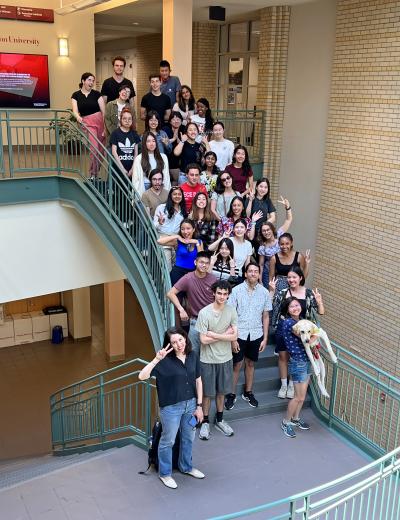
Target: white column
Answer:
pixel 177 37
pixel 114 320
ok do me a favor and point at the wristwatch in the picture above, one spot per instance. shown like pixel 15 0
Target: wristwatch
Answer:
pixel 199 404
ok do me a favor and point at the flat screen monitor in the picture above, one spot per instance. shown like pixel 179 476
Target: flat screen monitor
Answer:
pixel 24 81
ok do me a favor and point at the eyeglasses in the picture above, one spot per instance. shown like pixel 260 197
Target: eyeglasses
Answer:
pixel 225 179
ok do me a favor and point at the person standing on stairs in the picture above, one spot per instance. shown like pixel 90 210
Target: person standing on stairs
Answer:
pixel 217 325
pixel 252 303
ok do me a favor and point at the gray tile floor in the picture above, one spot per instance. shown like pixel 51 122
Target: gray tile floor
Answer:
pixel 257 465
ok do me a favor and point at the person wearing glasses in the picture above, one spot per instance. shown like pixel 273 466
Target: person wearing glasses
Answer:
pixel 157 194
pixel 223 194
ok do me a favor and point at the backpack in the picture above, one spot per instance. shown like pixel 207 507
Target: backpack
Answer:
pixel 154 441
pixel 57 335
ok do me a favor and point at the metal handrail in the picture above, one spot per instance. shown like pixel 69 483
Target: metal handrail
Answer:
pixel 38 143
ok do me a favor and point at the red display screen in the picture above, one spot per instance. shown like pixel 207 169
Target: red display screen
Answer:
pixel 24 81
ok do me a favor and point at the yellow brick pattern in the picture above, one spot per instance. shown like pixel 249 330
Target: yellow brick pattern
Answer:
pixel 358 251
pixel 272 70
pixel 204 61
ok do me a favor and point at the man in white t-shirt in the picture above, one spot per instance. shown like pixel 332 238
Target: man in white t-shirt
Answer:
pixel 222 147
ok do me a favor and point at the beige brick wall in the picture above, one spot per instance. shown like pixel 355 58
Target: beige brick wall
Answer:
pixel 204 61
pixel 149 55
pixel 272 70
pixel 358 248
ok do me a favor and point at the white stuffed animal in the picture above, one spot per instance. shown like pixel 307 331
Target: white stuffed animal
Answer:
pixel 311 336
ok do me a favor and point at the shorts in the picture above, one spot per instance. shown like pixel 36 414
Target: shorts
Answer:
pixel 217 378
pixel 299 371
pixel 248 349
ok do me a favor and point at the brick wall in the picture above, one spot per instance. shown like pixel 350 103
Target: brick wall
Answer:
pixel 272 70
pixel 204 61
pixel 358 249
pixel 149 55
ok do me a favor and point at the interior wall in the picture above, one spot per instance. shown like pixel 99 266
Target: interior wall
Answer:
pixel 311 48
pixel 54 249
pixel 64 73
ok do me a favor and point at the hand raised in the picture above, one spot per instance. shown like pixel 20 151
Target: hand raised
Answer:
pixel 317 295
pixel 256 216
pixel 284 201
pixel 307 256
pixel 164 352
pixel 272 284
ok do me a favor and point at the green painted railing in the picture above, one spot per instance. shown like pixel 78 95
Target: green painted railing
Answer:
pixel 38 143
pixel 370 493
pixel 364 405
pixel 112 407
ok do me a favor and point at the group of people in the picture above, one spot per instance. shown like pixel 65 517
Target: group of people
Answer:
pixel 235 274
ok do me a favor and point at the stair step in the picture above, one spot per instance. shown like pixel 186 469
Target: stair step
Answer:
pixel 266 378
pixel 268 403
pixel 267 358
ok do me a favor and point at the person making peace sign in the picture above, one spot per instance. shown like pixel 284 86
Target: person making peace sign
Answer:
pixel 180 393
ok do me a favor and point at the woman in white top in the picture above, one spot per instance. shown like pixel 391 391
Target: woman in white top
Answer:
pixel 168 217
pixel 185 104
pixel 221 146
pixel 148 160
pixel 242 247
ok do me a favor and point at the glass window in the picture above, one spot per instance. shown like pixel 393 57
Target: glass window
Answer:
pixel 238 37
pixel 236 71
pixel 254 35
pixel 253 70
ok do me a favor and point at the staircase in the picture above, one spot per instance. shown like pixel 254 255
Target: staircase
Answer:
pixel 265 387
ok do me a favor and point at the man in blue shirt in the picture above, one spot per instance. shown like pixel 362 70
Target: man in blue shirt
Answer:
pixel 252 303
pixel 170 85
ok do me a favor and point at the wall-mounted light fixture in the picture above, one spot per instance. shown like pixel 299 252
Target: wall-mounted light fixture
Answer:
pixel 63 49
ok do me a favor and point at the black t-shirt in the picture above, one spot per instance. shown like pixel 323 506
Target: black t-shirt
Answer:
pixel 159 103
pixel 89 104
pixel 173 160
pixel 191 153
pixel 266 206
pixel 110 88
pixel 125 143
pixel 176 381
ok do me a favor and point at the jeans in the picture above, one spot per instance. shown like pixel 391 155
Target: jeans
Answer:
pixel 173 418
pixel 194 336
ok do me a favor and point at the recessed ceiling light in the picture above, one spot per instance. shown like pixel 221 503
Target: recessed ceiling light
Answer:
pixel 135 23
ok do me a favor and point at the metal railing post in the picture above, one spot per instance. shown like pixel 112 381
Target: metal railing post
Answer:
pixel 10 145
pixel 101 415
pixel 333 391
pixel 58 162
pixel 148 410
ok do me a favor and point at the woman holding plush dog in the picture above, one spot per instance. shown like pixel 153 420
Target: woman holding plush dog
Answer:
pixel 311 306
pixel 299 367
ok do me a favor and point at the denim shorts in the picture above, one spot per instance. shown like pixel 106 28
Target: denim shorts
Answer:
pixel 299 371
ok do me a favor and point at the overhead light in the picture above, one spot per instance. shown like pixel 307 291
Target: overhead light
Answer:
pixel 135 23
pixel 78 6
pixel 63 49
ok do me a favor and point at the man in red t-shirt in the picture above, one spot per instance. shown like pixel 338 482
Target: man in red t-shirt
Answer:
pixel 193 185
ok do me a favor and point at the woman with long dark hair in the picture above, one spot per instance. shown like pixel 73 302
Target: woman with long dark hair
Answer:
pixel 209 176
pixel 189 150
pixel 180 394
pixel 311 305
pixel 89 109
pixel 174 128
pixel 124 141
pixel 203 118
pixel 222 196
pixel 222 264
pixel 186 104
pixel 153 124
pixel 237 211
pixel 241 171
pixel 206 225
pixel 148 160
pixel 168 218
pixel 186 245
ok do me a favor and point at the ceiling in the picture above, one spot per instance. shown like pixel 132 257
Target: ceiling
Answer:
pixel 145 16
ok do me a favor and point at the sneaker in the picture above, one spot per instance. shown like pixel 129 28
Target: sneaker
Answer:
pixel 290 392
pixel 204 433
pixel 224 427
pixel 282 392
pixel 300 424
pixel 169 482
pixel 230 400
pixel 196 473
pixel 288 429
pixel 249 397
